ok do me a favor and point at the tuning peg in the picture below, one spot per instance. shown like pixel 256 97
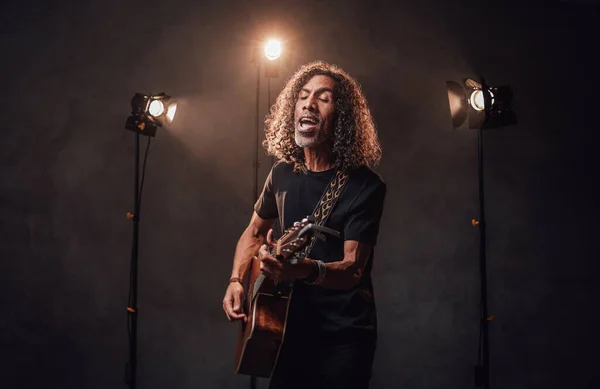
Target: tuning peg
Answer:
pixel 296 224
pixel 305 220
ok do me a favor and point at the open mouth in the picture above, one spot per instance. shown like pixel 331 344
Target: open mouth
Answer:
pixel 308 124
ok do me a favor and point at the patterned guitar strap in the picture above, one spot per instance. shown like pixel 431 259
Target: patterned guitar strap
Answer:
pixel 326 204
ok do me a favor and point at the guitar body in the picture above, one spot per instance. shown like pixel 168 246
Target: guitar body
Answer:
pixel 261 337
pixel 266 305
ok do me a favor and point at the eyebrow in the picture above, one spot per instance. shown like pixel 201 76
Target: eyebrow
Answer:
pixel 318 91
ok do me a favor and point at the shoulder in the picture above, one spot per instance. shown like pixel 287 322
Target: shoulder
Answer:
pixel 281 173
pixel 282 167
pixel 366 188
pixel 366 177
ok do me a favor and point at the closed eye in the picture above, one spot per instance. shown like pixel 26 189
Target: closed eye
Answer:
pixel 325 96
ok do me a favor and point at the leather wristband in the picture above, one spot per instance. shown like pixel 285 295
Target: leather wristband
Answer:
pixel 321 270
pixel 235 279
pixel 314 273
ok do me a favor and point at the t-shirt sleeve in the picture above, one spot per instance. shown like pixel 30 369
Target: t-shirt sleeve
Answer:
pixel 266 205
pixel 365 214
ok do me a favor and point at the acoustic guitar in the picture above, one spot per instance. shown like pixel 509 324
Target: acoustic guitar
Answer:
pixel 266 305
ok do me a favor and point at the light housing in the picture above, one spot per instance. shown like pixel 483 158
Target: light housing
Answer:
pixel 484 106
pixel 148 112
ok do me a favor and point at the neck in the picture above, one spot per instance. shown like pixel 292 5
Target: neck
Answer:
pixel 318 159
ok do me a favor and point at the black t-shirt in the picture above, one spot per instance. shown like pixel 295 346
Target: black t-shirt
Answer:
pixel 291 196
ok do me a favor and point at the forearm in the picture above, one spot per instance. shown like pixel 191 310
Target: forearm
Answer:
pixel 341 275
pixel 246 248
pixel 346 273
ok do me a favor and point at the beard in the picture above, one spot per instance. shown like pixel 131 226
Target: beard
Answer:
pixel 312 140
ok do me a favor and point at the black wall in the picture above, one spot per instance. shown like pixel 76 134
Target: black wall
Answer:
pixel 66 168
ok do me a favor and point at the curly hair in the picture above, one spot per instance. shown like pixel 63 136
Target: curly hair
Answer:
pixel 355 141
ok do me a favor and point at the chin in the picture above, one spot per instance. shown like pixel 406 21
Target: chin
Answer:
pixel 308 141
pixel 303 141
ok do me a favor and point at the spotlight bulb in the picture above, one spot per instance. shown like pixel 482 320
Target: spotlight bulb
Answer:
pixel 273 49
pixel 156 108
pixel 477 101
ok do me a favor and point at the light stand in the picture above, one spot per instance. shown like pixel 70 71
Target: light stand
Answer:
pixel 269 57
pixel 257 137
pixel 131 367
pixel 269 108
pixel 482 369
pixel 486 108
pixel 148 112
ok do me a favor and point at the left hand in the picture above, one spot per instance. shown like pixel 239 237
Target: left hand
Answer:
pixel 276 269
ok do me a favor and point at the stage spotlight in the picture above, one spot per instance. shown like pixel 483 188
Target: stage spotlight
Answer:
pixel 273 49
pixel 485 106
pixel 148 113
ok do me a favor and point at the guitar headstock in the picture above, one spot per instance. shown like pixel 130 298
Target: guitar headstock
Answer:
pixel 292 240
pixel 299 235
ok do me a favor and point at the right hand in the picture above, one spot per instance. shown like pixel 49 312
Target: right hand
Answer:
pixel 233 302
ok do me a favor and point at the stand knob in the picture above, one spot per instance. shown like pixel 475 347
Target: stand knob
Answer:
pixel 474 222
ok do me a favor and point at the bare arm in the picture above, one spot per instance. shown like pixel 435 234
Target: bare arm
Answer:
pixel 342 274
pixel 247 247
pixel 248 244
pixel 346 273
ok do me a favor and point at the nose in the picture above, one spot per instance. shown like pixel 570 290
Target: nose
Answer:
pixel 310 103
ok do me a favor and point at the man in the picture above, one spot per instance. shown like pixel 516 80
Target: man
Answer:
pixel 319 124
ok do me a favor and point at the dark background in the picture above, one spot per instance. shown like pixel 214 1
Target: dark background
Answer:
pixel 69 71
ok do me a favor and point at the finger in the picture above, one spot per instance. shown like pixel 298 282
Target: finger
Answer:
pixel 228 311
pixel 270 240
pixel 270 271
pixel 262 251
pixel 237 303
pixel 265 269
pixel 271 261
pixel 238 316
pixel 231 315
